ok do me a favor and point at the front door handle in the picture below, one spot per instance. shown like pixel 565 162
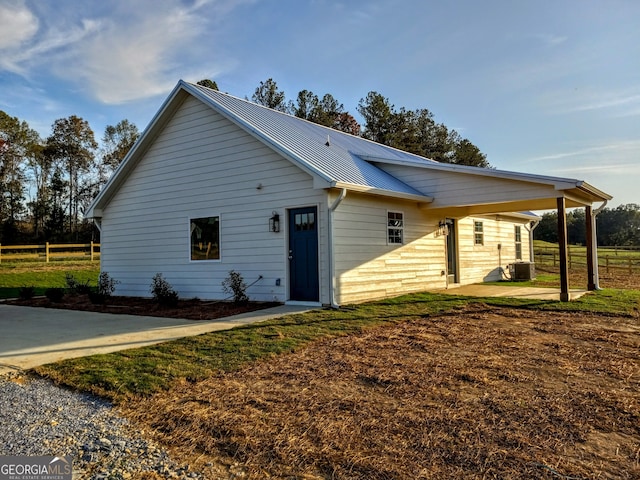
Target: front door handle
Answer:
pixel 290 254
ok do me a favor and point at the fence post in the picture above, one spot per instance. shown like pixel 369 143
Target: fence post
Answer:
pixel 607 262
pixel 554 259
pixel 630 269
pixel 91 250
pixel 0 253
pixel 46 252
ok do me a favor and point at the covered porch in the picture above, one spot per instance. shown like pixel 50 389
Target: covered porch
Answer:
pixel 495 192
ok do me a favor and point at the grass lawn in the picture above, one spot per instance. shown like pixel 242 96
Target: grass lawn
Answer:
pixel 419 386
pixel 151 369
pixel 14 275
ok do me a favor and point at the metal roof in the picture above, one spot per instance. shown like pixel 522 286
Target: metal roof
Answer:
pixel 306 143
pixel 333 158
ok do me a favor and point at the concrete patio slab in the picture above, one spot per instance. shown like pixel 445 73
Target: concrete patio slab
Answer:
pixel 535 293
pixel 34 336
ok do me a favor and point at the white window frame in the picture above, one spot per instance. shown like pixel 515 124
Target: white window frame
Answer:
pixel 518 241
pixel 478 234
pixel 400 228
pixel 190 233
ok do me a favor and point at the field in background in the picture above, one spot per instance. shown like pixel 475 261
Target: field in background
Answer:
pixel 14 275
pixel 610 259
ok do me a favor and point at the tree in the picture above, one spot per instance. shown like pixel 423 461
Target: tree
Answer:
pixel 466 153
pixel 328 112
pixel 209 84
pixel 416 132
pixel 547 229
pixel 71 146
pixel 18 144
pixel 116 143
pixel 619 226
pixel 345 122
pixel 378 114
pixel 267 94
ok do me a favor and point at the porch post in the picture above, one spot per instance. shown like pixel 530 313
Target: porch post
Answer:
pixel 562 244
pixel 591 283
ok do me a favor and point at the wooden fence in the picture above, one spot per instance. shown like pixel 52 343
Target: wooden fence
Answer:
pixel 609 258
pixel 49 251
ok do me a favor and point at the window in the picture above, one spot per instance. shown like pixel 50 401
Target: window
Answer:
pixel 395 228
pixel 305 221
pixel 205 238
pixel 478 232
pixel 518 236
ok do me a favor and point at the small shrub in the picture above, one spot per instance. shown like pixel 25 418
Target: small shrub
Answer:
pixel 71 281
pixel 27 293
pixel 75 286
pixel 234 285
pixel 163 292
pixel 106 284
pixel 106 287
pixel 54 294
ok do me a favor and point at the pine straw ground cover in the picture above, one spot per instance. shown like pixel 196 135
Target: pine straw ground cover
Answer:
pixel 481 392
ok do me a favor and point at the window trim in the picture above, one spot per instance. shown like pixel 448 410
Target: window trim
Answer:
pixel 518 241
pixel 400 228
pixel 478 233
pixel 199 217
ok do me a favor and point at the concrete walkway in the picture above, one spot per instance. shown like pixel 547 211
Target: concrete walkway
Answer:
pixel 32 336
pixel 534 293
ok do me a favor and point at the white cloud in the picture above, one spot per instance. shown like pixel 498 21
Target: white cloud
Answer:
pixel 126 51
pixel 610 158
pixel 619 103
pixel 18 24
pixel 550 39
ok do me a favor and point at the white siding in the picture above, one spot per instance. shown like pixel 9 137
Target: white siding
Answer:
pixel 367 267
pixel 483 263
pixel 202 165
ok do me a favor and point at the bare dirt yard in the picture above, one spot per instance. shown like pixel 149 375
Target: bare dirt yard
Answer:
pixel 482 392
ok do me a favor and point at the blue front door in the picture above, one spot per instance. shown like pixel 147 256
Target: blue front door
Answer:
pixel 303 254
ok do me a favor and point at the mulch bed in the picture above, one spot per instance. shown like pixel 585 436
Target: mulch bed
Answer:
pixel 192 309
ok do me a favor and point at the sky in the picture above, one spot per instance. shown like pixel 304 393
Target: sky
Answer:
pixel 547 87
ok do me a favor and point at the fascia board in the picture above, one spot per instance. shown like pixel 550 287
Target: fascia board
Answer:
pixel 382 192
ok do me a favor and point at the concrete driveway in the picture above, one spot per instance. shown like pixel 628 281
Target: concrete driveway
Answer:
pixel 34 336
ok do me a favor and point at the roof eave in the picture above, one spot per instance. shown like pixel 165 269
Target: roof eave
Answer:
pixel 559 183
pixel 382 192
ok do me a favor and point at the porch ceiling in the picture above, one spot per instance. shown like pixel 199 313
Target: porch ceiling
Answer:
pixel 458 211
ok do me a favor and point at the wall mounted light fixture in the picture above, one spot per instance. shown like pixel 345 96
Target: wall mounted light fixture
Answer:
pixel 274 222
pixel 443 228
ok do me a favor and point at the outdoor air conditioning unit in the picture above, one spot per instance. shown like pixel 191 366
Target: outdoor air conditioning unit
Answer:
pixel 522 271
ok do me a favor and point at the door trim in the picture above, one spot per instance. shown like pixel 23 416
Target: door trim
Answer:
pixel 307 289
pixel 452 252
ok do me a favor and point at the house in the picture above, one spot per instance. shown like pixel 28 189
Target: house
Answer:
pixel 306 213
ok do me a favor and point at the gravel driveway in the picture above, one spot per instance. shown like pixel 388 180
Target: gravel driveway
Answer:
pixel 40 418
